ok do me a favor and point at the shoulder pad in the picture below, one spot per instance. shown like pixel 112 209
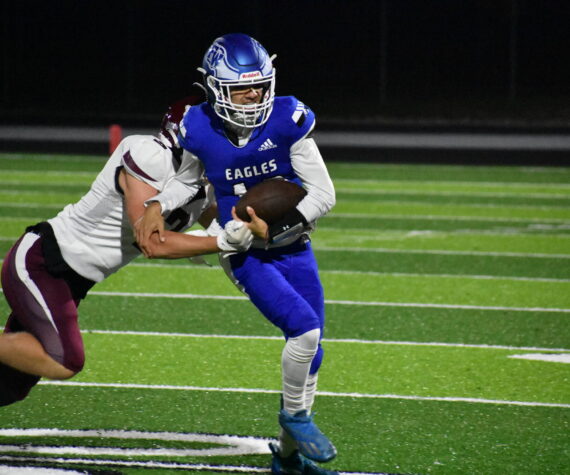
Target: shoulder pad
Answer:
pixel 148 160
pixel 301 114
pixel 300 119
pixel 191 115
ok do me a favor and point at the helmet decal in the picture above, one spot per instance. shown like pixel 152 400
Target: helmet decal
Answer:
pixel 216 54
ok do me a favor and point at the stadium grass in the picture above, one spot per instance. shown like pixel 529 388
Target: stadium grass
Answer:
pixel 425 371
pixel 493 176
pixel 390 435
pixel 401 224
pixel 394 261
pixel 389 323
pixel 451 290
pixel 459 186
pixel 474 242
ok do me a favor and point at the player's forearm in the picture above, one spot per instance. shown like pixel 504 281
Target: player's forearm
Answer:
pixel 178 245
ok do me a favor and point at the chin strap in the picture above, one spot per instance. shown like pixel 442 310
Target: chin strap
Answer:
pixel 201 86
pixel 292 223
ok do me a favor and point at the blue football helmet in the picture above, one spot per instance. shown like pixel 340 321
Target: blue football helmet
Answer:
pixel 237 61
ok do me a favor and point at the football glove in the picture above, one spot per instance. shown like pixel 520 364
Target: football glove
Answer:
pixel 236 237
pixel 214 229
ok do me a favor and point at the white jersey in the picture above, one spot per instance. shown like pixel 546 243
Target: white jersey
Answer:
pixel 94 234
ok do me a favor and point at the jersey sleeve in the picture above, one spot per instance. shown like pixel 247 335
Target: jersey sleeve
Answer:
pixel 147 160
pixel 310 167
pixel 182 187
pixel 301 119
pixel 308 163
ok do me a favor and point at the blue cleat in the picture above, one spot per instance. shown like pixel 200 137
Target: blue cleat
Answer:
pixel 312 443
pixel 295 464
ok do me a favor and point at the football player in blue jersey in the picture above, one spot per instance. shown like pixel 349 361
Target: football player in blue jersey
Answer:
pixel 244 134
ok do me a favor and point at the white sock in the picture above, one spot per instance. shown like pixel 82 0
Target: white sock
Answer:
pixel 287 444
pixel 295 365
pixel 310 390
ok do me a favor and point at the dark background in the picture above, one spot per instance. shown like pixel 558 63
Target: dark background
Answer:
pixel 358 63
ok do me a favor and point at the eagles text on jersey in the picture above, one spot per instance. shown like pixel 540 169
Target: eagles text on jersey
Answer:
pixel 266 154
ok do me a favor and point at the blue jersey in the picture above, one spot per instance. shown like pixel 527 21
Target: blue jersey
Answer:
pixel 232 169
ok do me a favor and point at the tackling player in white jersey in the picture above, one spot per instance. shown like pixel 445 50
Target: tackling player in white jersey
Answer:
pixel 50 269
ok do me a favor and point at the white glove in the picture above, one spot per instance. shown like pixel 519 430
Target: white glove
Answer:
pixel 236 237
pixel 214 229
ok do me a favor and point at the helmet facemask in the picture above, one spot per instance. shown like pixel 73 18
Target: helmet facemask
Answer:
pixel 242 115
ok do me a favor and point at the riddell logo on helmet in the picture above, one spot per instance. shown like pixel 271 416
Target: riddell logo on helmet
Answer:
pixel 254 74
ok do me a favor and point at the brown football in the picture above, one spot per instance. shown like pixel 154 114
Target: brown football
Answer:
pixel 271 199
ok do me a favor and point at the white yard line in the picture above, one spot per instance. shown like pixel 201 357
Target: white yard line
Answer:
pixel 145 464
pixel 401 234
pixel 333 302
pixel 441 252
pixel 330 340
pixel 464 193
pixel 320 393
pixel 453 276
pixel 345 215
pixel 383 250
pixel 446 218
pixel 338 302
pixel 499 185
pixel 217 268
pixel 128 463
pixel 401 203
pixel 226 444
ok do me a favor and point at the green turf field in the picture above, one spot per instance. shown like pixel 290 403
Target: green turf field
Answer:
pixel 447 342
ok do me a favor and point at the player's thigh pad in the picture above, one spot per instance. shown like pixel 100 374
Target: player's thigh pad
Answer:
pixel 41 304
pixel 280 300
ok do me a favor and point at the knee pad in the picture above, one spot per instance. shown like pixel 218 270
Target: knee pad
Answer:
pixel 302 348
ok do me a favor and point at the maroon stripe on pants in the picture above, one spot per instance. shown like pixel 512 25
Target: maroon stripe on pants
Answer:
pixel 62 342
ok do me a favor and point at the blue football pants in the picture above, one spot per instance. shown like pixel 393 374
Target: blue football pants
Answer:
pixel 284 284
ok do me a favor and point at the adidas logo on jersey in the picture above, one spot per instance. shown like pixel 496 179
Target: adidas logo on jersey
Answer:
pixel 267 145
